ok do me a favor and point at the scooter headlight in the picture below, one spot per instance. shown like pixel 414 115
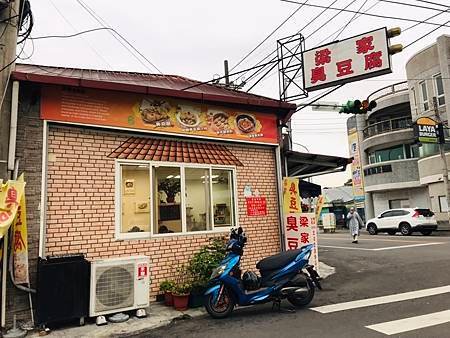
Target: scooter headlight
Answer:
pixel 218 271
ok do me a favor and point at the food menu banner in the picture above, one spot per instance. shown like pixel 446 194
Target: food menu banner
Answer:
pixel 158 114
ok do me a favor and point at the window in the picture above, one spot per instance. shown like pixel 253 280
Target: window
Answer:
pixel 443 206
pixel 388 154
pixel 439 89
pixel 154 198
pixel 414 99
pixel 423 88
pixel 135 198
pixel 387 214
pixel 399 203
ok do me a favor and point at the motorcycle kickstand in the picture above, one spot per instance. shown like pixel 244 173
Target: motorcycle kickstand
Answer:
pixel 277 305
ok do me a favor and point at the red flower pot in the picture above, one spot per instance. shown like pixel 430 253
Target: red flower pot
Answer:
pixel 180 302
pixel 168 299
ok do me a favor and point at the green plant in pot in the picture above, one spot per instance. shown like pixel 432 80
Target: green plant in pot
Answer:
pixel 182 289
pixel 167 287
pixel 200 267
pixel 171 186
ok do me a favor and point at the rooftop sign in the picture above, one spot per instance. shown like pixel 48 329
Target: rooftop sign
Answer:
pixel 359 57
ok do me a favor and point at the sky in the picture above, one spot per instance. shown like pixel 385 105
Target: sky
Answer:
pixel 193 38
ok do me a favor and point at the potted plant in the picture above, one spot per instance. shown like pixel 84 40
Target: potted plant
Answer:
pixel 200 268
pixel 167 287
pixel 171 186
pixel 181 290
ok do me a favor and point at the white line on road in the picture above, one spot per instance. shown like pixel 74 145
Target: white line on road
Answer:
pixel 412 323
pixel 344 247
pixel 382 300
pixel 378 249
pixel 405 246
pixel 371 239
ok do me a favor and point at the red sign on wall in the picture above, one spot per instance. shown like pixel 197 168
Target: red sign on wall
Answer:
pixel 142 271
pixel 256 206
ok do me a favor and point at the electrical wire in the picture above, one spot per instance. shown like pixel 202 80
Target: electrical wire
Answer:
pixel 267 37
pixel 425 35
pixel 352 18
pixel 70 35
pixel 410 5
pixel 433 3
pixel 92 48
pixel 257 73
pixel 367 14
pixel 103 23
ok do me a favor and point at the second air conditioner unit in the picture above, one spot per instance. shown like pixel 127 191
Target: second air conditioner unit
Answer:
pixel 119 284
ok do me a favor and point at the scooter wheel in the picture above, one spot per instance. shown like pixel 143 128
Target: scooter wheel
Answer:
pixel 223 307
pixel 300 300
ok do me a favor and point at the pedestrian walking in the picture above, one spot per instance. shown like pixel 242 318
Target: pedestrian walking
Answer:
pixel 354 222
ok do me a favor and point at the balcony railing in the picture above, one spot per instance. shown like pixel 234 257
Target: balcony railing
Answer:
pixel 388 90
pixel 387 126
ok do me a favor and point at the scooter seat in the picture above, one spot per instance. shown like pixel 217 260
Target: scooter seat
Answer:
pixel 277 261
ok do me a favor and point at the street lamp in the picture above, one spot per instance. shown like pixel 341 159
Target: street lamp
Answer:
pixel 301 145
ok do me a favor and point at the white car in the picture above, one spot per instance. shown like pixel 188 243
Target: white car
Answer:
pixel 405 221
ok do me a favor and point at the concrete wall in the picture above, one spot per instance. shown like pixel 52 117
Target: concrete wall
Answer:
pixel 390 139
pixel 418 197
pixel 402 171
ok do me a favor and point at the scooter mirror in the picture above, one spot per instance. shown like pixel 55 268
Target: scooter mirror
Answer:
pixel 240 231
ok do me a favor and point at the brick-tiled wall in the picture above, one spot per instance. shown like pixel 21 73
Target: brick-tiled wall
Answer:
pixel 80 214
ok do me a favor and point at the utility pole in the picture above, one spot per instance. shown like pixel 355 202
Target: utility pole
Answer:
pixel 9 23
pixel 227 77
pixel 443 157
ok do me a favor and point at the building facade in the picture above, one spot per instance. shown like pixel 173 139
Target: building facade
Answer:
pixel 428 73
pixel 122 164
pixel 398 172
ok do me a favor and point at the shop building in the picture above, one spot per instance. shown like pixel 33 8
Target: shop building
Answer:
pixel 428 73
pixel 121 164
pixel 388 154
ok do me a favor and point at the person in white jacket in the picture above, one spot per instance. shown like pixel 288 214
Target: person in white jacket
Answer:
pixel 354 222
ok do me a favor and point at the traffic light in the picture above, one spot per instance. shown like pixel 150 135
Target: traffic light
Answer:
pixel 358 107
pixel 351 107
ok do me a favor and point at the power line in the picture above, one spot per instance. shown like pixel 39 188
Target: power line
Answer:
pixel 299 31
pixel 411 5
pixel 362 13
pixel 433 3
pixel 71 35
pixel 420 38
pixel 103 23
pixel 267 37
pixel 352 18
pixel 74 29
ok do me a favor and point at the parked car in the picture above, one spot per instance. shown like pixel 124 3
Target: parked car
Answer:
pixel 405 221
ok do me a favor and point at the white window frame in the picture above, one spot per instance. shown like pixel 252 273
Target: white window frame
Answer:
pixel 425 103
pixel 150 234
pixel 438 96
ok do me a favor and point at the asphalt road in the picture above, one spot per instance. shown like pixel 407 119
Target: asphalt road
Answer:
pixel 377 266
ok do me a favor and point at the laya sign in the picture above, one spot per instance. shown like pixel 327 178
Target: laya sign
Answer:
pixel 359 57
pixel 428 130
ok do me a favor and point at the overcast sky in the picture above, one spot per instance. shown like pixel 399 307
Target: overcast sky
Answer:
pixel 192 38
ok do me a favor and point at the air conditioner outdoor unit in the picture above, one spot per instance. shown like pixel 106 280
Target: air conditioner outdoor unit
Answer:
pixel 119 284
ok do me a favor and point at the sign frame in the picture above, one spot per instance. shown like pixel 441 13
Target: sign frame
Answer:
pixel 349 79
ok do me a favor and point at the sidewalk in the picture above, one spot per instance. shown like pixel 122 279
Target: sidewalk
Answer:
pixel 158 315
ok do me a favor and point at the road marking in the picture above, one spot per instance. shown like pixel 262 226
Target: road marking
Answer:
pixel 371 239
pixel 379 249
pixel 344 247
pixel 405 246
pixel 382 300
pixel 412 323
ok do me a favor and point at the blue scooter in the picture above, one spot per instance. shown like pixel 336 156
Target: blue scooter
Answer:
pixel 282 276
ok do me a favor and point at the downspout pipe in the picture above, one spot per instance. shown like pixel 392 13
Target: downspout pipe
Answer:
pixel 13 126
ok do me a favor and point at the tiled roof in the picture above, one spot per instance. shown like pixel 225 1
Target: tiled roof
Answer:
pixel 151 84
pixel 152 149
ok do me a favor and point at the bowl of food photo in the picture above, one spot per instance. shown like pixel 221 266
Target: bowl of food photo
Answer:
pixel 220 121
pixel 188 118
pixel 153 111
pixel 246 123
